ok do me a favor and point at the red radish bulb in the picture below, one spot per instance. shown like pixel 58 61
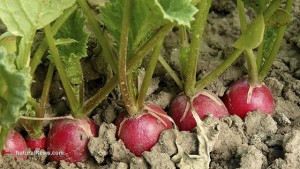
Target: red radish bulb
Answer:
pixel 141 132
pixel 68 139
pixel 241 99
pixel 15 145
pixel 204 104
pixel 36 143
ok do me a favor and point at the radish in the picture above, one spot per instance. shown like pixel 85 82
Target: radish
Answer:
pixel 68 139
pixel 140 133
pixel 241 99
pixel 205 104
pixel 15 145
pixel 36 143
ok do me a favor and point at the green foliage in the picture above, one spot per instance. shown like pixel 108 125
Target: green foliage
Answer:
pixel 253 35
pixel 146 18
pixel 280 18
pixel 73 47
pixel 9 42
pixel 13 91
pixel 24 17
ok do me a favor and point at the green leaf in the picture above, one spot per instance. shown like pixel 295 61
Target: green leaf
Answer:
pixel 269 41
pixel 23 17
pixel 13 91
pixel 146 18
pixel 253 35
pixel 71 53
pixel 280 18
pixel 9 41
pixel 65 41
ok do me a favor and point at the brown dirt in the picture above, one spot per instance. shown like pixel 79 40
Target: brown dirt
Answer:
pixel 260 141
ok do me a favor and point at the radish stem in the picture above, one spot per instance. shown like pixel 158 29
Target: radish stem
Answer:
pixel 270 59
pixel 107 51
pixel 148 76
pixel 127 95
pixel 201 84
pixel 43 45
pixel 170 71
pixel 184 52
pixel 44 99
pixel 196 37
pixel 271 9
pixel 251 61
pixel 3 133
pixel 259 57
pixel 58 63
pixel 95 100
pixel 252 68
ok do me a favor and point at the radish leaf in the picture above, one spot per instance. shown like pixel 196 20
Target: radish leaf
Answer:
pixel 14 89
pixel 71 52
pixel 146 18
pixel 24 17
pixel 253 36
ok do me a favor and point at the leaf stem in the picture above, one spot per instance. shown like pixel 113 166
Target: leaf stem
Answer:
pixel 201 84
pixel 95 100
pixel 268 63
pixel 148 75
pixel 170 71
pixel 259 56
pixel 127 95
pixel 242 15
pixel 184 52
pixel 58 63
pixel 36 60
pixel 251 61
pixel 107 50
pixel 252 67
pixel 267 14
pixel 196 37
pixel 38 125
pixel 271 9
pixel 33 103
pixel 3 134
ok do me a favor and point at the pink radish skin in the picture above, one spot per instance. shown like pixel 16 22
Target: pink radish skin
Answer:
pixel 261 99
pixel 15 145
pixel 70 137
pixel 141 132
pixel 36 143
pixel 205 103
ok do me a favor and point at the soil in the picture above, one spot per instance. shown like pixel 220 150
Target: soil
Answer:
pixel 260 141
